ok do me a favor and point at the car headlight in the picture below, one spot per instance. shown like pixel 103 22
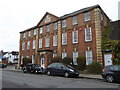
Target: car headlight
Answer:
pixel 71 70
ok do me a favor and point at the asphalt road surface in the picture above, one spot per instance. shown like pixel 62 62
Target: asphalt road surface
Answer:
pixel 12 79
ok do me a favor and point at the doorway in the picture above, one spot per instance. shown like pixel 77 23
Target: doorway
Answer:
pixel 108 59
pixel 42 61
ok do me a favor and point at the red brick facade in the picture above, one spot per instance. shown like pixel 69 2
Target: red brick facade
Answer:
pixel 81 46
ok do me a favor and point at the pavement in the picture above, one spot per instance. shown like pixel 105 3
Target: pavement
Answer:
pixel 87 76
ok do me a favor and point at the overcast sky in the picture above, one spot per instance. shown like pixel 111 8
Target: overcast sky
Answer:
pixel 19 15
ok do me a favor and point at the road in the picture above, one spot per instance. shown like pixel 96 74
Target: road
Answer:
pixel 12 79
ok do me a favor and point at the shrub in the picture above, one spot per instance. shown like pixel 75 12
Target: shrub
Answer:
pixel 26 61
pixel 94 68
pixel 56 59
pixel 67 60
pixel 81 61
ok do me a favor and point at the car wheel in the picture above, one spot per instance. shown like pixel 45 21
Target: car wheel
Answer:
pixel 110 78
pixel 24 71
pixel 48 73
pixel 36 71
pixel 66 74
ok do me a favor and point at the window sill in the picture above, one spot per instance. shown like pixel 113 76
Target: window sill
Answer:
pixel 88 41
pixel 87 20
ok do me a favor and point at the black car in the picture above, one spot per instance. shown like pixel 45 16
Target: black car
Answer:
pixel 61 69
pixel 111 73
pixel 33 68
pixel 3 65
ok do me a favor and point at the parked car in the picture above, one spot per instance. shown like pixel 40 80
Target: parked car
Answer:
pixel 3 65
pixel 32 68
pixel 111 73
pixel 61 69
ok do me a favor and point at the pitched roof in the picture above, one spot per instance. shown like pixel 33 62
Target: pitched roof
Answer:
pixel 80 11
pixel 45 16
pixel 28 29
pixel 67 15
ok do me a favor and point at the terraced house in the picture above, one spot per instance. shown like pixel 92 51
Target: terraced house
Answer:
pixel 75 34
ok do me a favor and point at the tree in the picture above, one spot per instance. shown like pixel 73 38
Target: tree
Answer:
pixel 67 60
pixel 81 61
pixel 56 59
pixel 94 68
pixel 116 53
pixel 106 42
pixel 26 61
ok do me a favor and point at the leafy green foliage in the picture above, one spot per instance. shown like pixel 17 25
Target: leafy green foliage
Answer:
pixel 116 53
pixel 81 61
pixel 106 43
pixel 94 68
pixel 56 59
pixel 67 60
pixel 26 61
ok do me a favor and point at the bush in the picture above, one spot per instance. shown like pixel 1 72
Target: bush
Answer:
pixel 94 68
pixel 56 59
pixel 26 61
pixel 67 60
pixel 81 61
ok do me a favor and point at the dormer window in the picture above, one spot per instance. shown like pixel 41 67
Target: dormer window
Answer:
pixel 47 19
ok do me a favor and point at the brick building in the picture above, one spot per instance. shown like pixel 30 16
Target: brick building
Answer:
pixel 75 34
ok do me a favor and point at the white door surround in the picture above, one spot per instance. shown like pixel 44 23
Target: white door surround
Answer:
pixel 107 59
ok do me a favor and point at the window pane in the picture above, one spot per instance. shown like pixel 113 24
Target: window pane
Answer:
pixel 87 16
pixel 29 33
pixel 47 28
pixel 41 30
pixel 55 40
pixel 74 20
pixel 35 32
pixel 24 35
pixel 47 42
pixel 88 35
pixel 64 54
pixel 23 46
pixel 33 59
pixel 75 36
pixel 28 45
pixel 88 57
pixel 54 55
pixel 40 43
pixel 64 38
pixel 64 23
pixel 55 26
pixel 34 44
pixel 75 55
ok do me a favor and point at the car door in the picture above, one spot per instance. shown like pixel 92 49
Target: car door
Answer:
pixel 52 68
pixel 60 69
pixel 116 71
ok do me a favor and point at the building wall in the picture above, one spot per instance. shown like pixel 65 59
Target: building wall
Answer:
pixel 95 23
